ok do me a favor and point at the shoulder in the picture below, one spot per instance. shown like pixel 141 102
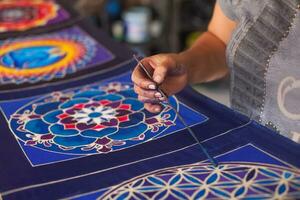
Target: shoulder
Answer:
pixel 239 9
pixel 229 8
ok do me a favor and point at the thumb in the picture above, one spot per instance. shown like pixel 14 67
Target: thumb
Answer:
pixel 160 64
pixel 159 74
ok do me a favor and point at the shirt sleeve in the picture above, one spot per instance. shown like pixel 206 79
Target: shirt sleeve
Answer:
pixel 229 7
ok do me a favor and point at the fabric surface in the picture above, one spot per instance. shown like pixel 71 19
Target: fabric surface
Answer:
pixel 96 141
pixel 73 52
pixel 49 56
pixel 23 15
pixel 267 31
pixel 20 17
pixel 79 131
pixel 92 119
pixel 233 178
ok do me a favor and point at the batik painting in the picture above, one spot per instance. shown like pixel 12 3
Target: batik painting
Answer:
pixel 94 140
pixel 94 119
pixel 49 56
pixel 21 15
pixel 260 176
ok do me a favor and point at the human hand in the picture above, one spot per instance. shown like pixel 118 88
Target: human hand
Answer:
pixel 167 72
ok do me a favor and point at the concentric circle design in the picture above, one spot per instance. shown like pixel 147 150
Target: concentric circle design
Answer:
pixel 19 15
pixel 202 181
pixel 96 119
pixel 43 58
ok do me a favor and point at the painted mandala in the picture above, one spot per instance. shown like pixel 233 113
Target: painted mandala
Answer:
pixel 44 58
pixel 201 181
pixel 97 119
pixel 19 15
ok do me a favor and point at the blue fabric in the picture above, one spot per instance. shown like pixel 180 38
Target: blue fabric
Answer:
pixel 80 137
pixel 44 119
pixel 114 168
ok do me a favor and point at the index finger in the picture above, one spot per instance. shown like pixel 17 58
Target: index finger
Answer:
pixel 140 79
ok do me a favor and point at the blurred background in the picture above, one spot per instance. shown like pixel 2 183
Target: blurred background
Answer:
pixel 155 26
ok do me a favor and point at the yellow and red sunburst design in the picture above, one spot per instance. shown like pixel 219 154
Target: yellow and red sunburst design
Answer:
pixel 40 59
pixel 19 15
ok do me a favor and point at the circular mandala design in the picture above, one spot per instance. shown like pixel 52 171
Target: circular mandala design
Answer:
pixel 97 119
pixel 18 15
pixel 202 181
pixel 44 58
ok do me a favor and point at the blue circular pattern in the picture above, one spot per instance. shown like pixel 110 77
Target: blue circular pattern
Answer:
pixel 98 119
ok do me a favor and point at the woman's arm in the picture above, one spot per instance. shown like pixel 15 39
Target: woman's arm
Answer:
pixel 206 60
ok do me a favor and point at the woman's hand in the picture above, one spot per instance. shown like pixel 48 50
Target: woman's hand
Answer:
pixel 167 72
pixel 203 62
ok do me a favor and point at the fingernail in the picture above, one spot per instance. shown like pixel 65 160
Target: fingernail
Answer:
pixel 157 79
pixel 152 87
pixel 157 109
pixel 157 95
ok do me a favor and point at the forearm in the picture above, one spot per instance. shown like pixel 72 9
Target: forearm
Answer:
pixel 205 60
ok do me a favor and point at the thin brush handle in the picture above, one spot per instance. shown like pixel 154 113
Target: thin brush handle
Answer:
pixel 210 158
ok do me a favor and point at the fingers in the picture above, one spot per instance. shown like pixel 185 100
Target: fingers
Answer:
pixel 159 74
pixel 157 66
pixel 152 105
pixel 140 79
pixel 151 100
pixel 160 63
pixel 152 94
pixel 153 108
pixel 145 87
pixel 149 96
pixel 148 100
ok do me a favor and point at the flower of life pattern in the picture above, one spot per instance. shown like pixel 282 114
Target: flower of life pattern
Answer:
pixel 202 181
pixel 91 120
